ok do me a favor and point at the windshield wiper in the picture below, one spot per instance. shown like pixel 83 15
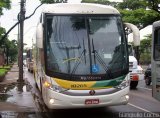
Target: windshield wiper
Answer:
pixel 94 52
pixel 79 60
pixel 84 49
pixel 100 60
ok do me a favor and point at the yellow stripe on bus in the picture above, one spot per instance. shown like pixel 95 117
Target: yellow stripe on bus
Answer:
pixel 78 85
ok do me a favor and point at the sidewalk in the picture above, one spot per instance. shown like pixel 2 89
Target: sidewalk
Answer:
pixel 13 100
pixel 12 75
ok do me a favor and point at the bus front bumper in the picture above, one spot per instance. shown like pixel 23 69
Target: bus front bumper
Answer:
pixel 55 100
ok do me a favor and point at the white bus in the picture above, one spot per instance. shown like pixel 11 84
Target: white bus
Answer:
pixel 82 56
pixel 155 61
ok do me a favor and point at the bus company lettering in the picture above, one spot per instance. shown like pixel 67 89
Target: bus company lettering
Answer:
pixel 78 85
pixel 90 78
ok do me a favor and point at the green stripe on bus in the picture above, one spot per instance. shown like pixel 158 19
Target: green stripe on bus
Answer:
pixel 113 82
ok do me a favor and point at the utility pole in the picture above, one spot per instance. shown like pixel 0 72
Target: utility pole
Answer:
pixel 20 49
pixel 18 18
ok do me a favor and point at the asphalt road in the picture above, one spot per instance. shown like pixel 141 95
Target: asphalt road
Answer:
pixel 141 105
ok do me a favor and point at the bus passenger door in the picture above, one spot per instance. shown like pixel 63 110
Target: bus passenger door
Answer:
pixel 155 61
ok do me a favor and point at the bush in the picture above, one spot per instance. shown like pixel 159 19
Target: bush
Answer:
pixel 3 72
pixel 145 58
pixel 5 67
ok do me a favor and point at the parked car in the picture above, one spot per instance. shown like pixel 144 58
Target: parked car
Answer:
pixel 147 75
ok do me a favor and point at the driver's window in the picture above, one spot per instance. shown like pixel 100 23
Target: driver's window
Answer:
pixel 157 44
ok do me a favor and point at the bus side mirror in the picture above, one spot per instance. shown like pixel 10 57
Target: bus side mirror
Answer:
pixel 136 33
pixel 39 35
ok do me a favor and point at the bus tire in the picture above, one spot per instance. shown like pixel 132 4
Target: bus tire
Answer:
pixel 133 84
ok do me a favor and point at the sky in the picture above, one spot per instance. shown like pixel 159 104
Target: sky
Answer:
pixel 10 18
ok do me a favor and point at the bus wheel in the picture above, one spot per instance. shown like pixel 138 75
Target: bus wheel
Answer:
pixel 133 84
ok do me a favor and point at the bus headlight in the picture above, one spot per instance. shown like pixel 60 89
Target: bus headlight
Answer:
pixel 53 87
pixel 47 84
pixel 51 101
pixel 58 88
pixel 124 84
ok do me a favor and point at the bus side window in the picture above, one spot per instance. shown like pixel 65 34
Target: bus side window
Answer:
pixel 157 44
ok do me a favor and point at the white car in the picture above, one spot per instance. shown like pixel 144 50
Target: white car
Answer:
pixel 140 72
pixel 136 75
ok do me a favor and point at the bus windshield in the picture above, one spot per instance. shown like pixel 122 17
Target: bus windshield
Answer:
pixel 85 45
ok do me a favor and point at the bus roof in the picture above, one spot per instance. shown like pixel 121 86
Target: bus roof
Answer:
pixel 80 8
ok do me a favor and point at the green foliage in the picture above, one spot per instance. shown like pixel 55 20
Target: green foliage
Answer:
pixel 3 72
pixel 134 11
pixel 106 2
pixel 5 67
pixel 145 50
pixel 140 17
pixel 154 5
pixel 137 4
pixel 132 4
pixel 145 45
pixel 4 4
pixel 2 32
pixel 145 58
pixel 12 49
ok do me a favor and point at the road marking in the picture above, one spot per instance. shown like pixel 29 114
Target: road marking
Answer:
pixel 145 88
pixel 154 114
pixel 139 107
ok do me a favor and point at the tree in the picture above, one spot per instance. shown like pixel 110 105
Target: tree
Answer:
pixel 2 32
pixel 138 12
pixel 132 4
pixel 145 50
pixel 137 4
pixel 140 17
pixel 106 2
pixel 154 5
pixel 9 47
pixel 135 11
pixel 11 50
pixel 4 4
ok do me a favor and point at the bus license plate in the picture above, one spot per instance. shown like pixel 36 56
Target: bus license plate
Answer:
pixel 91 101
